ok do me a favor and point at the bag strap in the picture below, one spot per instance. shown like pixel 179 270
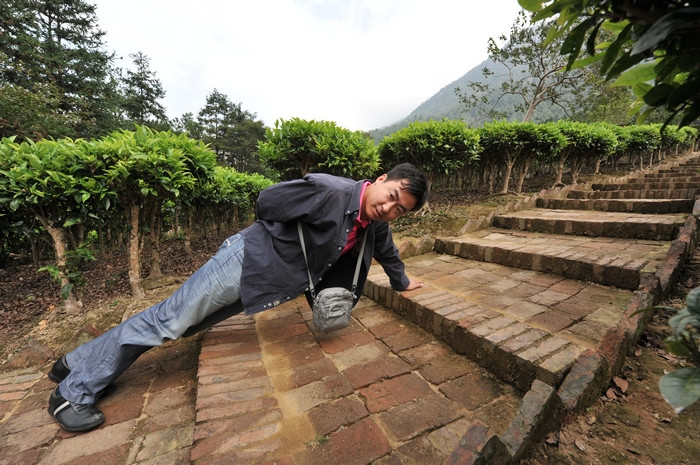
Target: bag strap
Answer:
pixel 306 260
pixel 308 272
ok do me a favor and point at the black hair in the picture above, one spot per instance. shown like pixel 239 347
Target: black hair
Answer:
pixel 415 182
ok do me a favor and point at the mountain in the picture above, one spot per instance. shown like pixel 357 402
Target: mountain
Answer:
pixel 446 104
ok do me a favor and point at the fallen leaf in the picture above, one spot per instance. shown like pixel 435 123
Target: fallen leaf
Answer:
pixel 552 439
pixel 610 394
pixel 580 445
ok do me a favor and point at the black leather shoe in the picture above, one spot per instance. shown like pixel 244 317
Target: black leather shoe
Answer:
pixel 74 417
pixel 59 370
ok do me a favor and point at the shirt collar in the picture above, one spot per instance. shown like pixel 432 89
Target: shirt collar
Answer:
pixel 359 220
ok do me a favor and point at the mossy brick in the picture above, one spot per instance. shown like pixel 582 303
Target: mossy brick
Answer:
pixel 433 321
pixel 523 340
pixel 588 377
pixel 540 412
pixel 385 367
pixel 479 447
pixel 330 416
pixel 553 369
pixel 408 420
pixel 361 442
pixel 492 325
pixel 392 392
pixel 542 349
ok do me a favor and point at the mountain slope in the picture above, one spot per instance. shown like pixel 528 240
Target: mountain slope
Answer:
pixel 446 104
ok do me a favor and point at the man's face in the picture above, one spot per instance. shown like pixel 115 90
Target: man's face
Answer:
pixel 385 200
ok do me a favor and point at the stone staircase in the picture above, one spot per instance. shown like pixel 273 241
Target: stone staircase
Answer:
pixel 525 316
pixel 544 296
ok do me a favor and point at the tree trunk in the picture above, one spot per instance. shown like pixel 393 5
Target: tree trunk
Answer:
pixel 187 230
pixel 506 177
pixel 31 237
pixel 492 179
pixel 132 213
pixel 560 170
pixel 71 302
pixel 154 229
pixel 576 166
pixel 523 173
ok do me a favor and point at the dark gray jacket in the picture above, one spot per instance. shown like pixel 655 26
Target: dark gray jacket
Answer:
pixel 273 266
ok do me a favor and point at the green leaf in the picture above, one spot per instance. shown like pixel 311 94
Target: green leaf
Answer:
pixel 664 27
pixel 677 347
pixel 582 63
pixel 643 72
pixel 658 94
pixel 530 5
pixel 71 222
pixel 65 290
pixel 614 49
pixel 680 321
pixel 615 26
pixel 692 301
pixel 573 42
pixel 681 388
pixel 681 94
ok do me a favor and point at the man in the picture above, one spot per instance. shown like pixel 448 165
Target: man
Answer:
pixel 254 270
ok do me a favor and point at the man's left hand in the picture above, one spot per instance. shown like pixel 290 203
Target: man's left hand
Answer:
pixel 413 285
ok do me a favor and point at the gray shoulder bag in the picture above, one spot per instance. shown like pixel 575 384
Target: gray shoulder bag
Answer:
pixel 333 305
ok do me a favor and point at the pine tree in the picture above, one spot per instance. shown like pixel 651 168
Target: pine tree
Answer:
pixel 54 55
pixel 231 132
pixel 142 90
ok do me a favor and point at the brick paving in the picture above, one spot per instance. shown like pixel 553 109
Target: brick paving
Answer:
pixel 518 324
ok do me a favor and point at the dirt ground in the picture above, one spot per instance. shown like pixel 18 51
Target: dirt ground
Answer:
pixel 629 424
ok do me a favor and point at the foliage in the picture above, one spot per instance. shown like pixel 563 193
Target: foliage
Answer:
pixel 435 147
pixel 227 187
pixel 56 68
pixel 533 75
pixel 73 270
pixel 142 90
pixel 643 139
pixel 507 143
pixel 232 132
pixel 30 112
pixel 145 163
pixel 59 183
pixel 585 143
pixel 654 41
pixel 296 147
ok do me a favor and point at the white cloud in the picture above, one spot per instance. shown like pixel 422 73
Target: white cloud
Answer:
pixel 360 63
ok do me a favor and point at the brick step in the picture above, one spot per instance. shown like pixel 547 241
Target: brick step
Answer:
pixel 611 261
pixel 593 223
pixel 661 177
pixel 667 194
pixel 369 389
pixel 521 325
pixel 620 205
pixel 668 185
pixel 682 171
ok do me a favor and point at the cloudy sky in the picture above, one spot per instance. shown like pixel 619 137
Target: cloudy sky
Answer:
pixel 361 63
